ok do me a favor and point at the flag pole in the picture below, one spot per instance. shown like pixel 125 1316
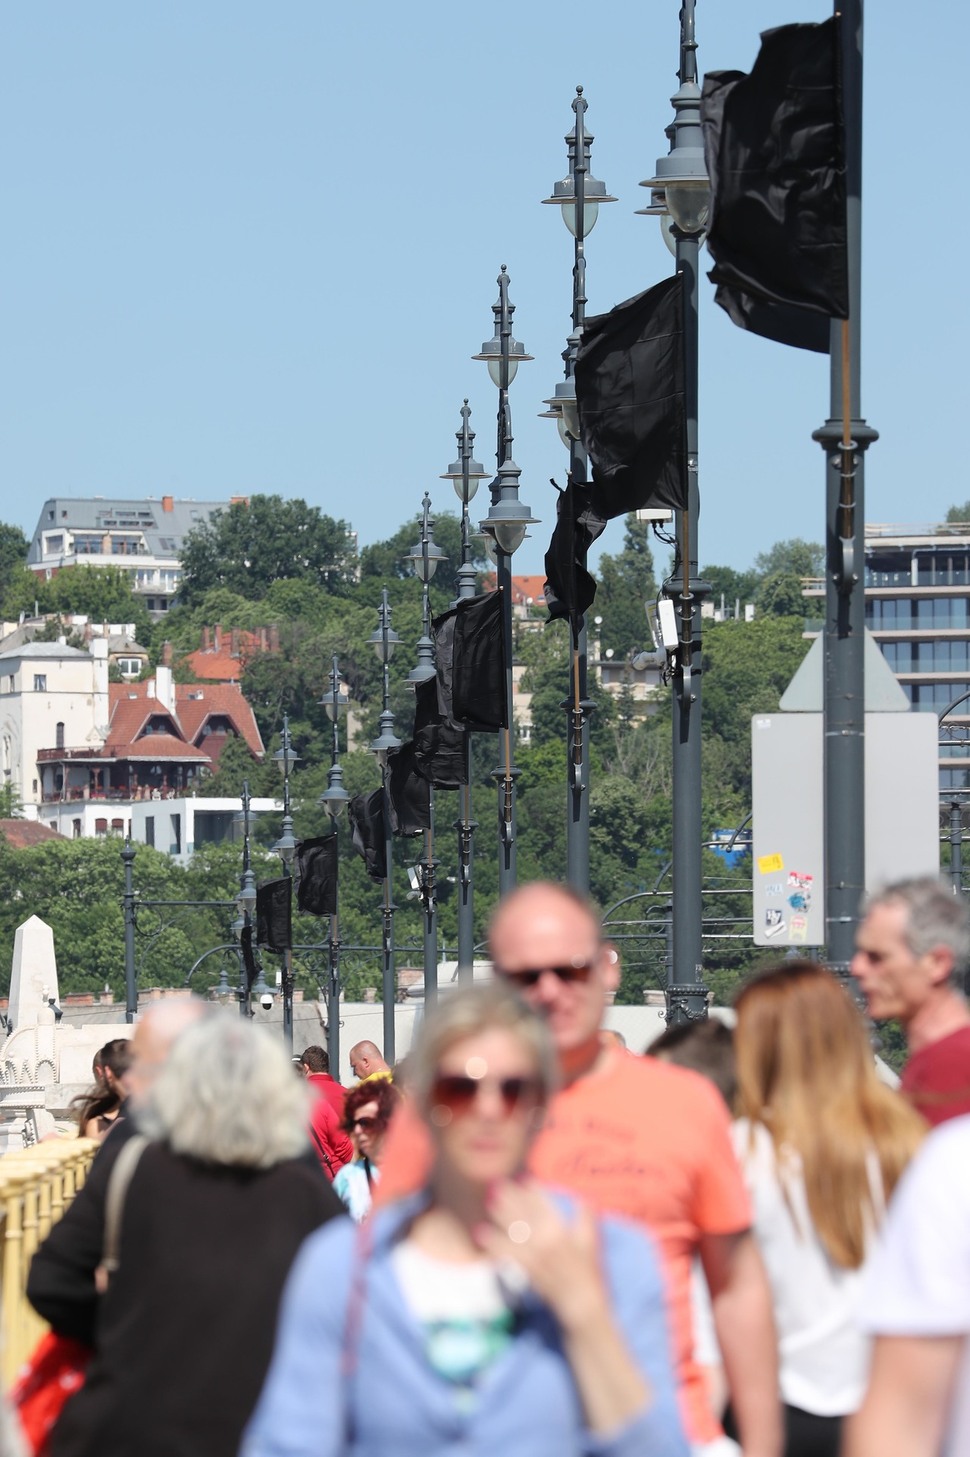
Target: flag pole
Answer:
pixel 845 437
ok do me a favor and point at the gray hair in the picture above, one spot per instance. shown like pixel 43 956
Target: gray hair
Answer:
pixel 934 917
pixel 465 1013
pixel 228 1095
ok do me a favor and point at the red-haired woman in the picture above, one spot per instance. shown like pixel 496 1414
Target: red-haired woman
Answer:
pixel 367 1113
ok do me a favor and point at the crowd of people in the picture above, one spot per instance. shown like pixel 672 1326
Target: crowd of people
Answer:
pixel 530 1238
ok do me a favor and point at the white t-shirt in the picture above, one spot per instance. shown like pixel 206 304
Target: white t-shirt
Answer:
pixel 918 1283
pixel 822 1353
pixel 464 1310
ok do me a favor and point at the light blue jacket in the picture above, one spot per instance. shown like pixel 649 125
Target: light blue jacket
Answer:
pixel 391 1402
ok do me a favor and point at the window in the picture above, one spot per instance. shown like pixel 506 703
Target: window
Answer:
pixel 101 827
pixel 117 827
pixel 176 834
pixel 76 829
pixel 150 830
pixel 59 736
pixel 40 682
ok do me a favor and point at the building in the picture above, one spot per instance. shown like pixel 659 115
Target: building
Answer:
pixel 86 757
pixel 917 588
pixel 143 537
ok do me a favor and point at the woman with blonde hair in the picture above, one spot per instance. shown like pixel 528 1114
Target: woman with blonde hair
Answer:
pixel 482 1315
pixel 823 1143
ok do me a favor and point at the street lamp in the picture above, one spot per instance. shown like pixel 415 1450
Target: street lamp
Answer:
pixel 424 557
pixel 384 640
pixel 465 474
pixel 334 801
pixel 246 903
pixel 285 848
pixel 507 522
pixel 579 195
pixel 682 178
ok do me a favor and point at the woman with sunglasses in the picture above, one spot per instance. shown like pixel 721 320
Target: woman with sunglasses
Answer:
pixel 367 1114
pixel 483 1315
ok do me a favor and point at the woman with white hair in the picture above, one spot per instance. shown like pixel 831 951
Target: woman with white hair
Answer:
pixel 218 1204
pixel 484 1315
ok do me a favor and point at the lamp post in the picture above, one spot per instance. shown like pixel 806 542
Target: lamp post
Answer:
pixel 384 640
pixel 246 901
pixel 334 800
pixel 682 177
pixel 845 437
pixel 507 521
pixel 285 848
pixel 579 195
pixel 465 474
pixel 424 556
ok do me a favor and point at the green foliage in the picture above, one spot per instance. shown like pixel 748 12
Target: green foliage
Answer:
pixel 796 558
pixel 101 593
pixel 13 554
pixel 625 588
pixel 780 595
pixel 253 544
pixel 959 514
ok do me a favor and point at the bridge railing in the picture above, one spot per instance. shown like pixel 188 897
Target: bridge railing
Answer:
pixel 36 1186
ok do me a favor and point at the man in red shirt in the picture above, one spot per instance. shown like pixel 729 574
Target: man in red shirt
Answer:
pixel 331 1144
pixel 635 1137
pixel 912 949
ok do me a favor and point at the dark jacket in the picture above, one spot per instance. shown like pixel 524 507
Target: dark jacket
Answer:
pixel 183 1336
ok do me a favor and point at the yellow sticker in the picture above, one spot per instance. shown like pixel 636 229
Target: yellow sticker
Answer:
pixel 767 864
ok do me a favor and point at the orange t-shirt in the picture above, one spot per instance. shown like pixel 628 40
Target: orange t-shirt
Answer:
pixel 636 1137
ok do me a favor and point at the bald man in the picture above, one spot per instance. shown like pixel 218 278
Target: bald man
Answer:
pixel 640 1138
pixel 367 1061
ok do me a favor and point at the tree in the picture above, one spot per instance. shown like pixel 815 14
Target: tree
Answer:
pixel 625 590
pixel 102 594
pixel 780 595
pixel 796 558
pixel 959 514
pixel 730 586
pixel 266 539
pixel 13 554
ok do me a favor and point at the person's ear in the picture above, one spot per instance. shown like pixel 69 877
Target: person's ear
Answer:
pixel 940 963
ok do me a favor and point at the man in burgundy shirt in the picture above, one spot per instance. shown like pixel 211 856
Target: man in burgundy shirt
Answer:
pixel 332 1145
pixel 912 949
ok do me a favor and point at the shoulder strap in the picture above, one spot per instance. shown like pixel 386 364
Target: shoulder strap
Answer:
pixel 114 1204
pixel 321 1149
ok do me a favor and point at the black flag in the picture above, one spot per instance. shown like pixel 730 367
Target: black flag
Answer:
pixel 409 795
pixel 317 863
pixel 570 588
pixel 366 814
pixel 249 959
pixel 775 146
pixel 439 744
pixel 274 909
pixel 478 664
pixel 630 394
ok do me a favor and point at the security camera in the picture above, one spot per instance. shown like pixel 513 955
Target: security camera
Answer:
pixel 266 1001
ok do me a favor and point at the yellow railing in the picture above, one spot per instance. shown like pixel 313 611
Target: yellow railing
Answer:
pixel 36 1186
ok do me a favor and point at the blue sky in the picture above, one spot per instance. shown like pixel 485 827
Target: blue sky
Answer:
pixel 252 247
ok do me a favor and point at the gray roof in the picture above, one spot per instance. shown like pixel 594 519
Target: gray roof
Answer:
pixel 164 530
pixel 44 650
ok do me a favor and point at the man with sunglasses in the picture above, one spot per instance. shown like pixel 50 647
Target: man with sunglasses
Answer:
pixel 640 1138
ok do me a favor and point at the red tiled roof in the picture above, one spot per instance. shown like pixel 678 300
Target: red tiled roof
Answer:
pixel 210 666
pixel 129 715
pixel 161 746
pixel 21 834
pixel 524 589
pixel 131 708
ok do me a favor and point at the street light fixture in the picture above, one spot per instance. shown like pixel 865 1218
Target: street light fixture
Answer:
pixel 384 640
pixel 465 475
pixel 424 557
pixel 285 848
pixel 580 194
pixel 334 801
pixel 682 178
pixel 507 521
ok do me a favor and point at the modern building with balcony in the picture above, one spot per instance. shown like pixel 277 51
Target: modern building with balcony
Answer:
pixel 141 536
pixel 917 581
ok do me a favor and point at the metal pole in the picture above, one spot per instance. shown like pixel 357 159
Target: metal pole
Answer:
pixel 686 992
pixel 131 985
pixel 506 774
pixel 845 437
pixel 956 846
pixel 388 979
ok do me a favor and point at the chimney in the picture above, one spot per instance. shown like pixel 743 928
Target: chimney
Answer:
pixel 168 503
pixel 217 638
pixel 165 687
pixel 167 654
pixel 206 642
pixel 99 652
pixel 234 639
pixel 274 639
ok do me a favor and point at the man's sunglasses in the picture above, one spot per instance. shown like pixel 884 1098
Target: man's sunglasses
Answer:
pixel 457 1092
pixel 574 971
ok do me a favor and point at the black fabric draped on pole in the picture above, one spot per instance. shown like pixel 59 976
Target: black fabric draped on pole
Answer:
pixel 274 915
pixel 630 395
pixel 408 793
pixel 317 865
pixel 366 815
pixel 470 653
pixel 775 147
pixel 248 955
pixel 439 744
pixel 570 588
